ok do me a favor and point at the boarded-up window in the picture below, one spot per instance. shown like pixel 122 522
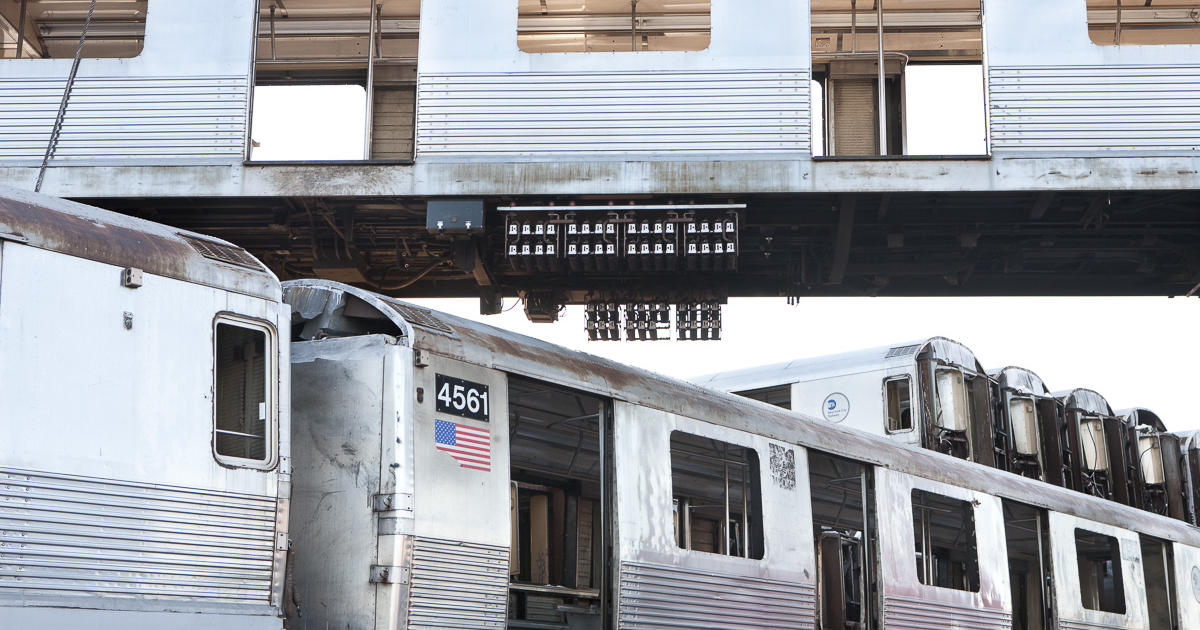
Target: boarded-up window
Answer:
pixel 1100 582
pixel 1138 23
pixel 242 378
pixel 612 25
pixel 717 497
pixel 944 531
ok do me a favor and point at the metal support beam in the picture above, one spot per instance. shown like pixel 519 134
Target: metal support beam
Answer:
pixel 21 29
pixel 368 132
pixel 841 240
pixel 882 80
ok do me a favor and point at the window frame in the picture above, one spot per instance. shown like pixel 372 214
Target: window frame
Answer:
pixel 271 391
pixel 1118 568
pixel 754 517
pixel 887 407
pixel 521 50
pixel 926 580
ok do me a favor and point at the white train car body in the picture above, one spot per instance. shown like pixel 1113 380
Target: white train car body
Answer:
pixel 127 499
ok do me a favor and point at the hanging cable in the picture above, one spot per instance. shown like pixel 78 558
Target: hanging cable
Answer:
pixel 62 106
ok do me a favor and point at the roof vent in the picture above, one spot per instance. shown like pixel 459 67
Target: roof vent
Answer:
pixel 225 253
pixel 419 317
pixel 902 351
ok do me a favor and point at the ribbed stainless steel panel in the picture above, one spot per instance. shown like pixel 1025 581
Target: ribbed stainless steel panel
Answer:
pixel 131 118
pixel 902 613
pixel 1095 109
pixel 752 111
pixel 654 596
pixel 457 585
pixel 70 536
pixel 1066 624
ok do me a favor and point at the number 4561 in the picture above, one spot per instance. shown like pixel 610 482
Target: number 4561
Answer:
pixel 463 398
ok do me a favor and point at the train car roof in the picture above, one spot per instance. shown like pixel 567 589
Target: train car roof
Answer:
pixel 1023 380
pixel 1142 416
pixel 841 364
pixel 90 233
pixel 321 302
pixel 1087 400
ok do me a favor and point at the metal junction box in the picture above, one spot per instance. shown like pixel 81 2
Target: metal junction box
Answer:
pixel 454 215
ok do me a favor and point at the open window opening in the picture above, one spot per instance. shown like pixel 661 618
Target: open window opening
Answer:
pixel 898 402
pixel 780 395
pixel 846 538
pixel 913 88
pixel 1027 535
pixel 946 548
pixel 1136 23
pixel 50 29
pixel 717 496
pixel 559 473
pixel 335 80
pixel 1100 581
pixel 243 401
pixel 1158 566
pixel 545 26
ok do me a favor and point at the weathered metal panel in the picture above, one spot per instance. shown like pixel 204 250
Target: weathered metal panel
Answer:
pixel 457 585
pixel 598 113
pixel 63 535
pixel 656 596
pixel 905 613
pixel 1148 109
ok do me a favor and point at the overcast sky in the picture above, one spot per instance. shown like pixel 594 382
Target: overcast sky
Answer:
pixel 1135 351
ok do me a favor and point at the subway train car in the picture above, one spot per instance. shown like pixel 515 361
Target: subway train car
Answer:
pixel 453 475
pixel 143 424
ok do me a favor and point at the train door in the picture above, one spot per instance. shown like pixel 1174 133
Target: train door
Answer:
pixel 560 505
pixel 1027 539
pixel 1098 580
pixel 1158 566
pixel 845 534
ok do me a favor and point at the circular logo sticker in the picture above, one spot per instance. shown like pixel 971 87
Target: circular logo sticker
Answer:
pixel 1196 582
pixel 836 407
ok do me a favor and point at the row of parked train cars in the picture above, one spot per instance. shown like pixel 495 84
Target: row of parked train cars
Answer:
pixel 185 442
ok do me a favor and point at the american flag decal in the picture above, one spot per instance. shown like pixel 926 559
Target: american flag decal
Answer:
pixel 470 446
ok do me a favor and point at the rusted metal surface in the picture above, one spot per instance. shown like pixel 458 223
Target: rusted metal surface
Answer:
pixel 107 237
pixel 481 344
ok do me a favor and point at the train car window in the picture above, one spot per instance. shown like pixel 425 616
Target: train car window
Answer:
pixel 1028 543
pixel 846 537
pixel 242 391
pixel 1158 567
pixel 944 531
pixel 1100 581
pixel 117 30
pixel 899 404
pixel 780 395
pixel 1130 23
pixel 717 497
pixel 545 26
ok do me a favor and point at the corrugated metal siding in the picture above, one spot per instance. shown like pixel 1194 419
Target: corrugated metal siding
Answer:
pixel 1095 109
pixel 457 585
pixel 70 536
pixel 1066 624
pixel 125 118
pixel 613 113
pixel 669 597
pixel 915 614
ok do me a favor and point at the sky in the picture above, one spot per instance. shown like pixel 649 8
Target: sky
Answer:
pixel 1141 352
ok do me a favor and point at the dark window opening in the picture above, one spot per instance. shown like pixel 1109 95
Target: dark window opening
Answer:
pixel 545 26
pixel 242 408
pixel 845 533
pixel 944 532
pixel 1027 537
pixel 42 29
pixel 899 404
pixel 558 470
pixel 717 498
pixel 780 396
pixel 1100 582
pixel 1158 566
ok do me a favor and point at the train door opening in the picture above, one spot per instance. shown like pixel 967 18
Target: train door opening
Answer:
pixel 560 450
pixel 1027 535
pixel 1158 565
pixel 844 530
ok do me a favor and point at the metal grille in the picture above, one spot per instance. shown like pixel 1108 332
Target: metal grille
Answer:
pixel 726 111
pixel 64 536
pixel 225 253
pixel 419 317
pixel 457 585
pixel 902 351
pixel 662 597
pixel 918 614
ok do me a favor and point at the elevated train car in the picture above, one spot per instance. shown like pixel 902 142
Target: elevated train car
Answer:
pixel 450 474
pixel 143 424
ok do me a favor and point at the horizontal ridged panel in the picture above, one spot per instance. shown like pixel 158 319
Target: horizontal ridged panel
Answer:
pixel 62 535
pixel 123 118
pixel 1066 624
pixel 625 112
pixel 915 614
pixel 457 585
pixel 654 596
pixel 1142 109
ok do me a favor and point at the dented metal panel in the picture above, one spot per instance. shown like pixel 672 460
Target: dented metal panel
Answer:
pixel 457 585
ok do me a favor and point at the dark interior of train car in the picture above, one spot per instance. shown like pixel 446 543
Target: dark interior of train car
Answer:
pixel 556 570
pixel 847 542
pixel 1101 583
pixel 946 547
pixel 1158 565
pixel 779 395
pixel 1026 532
pixel 716 499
